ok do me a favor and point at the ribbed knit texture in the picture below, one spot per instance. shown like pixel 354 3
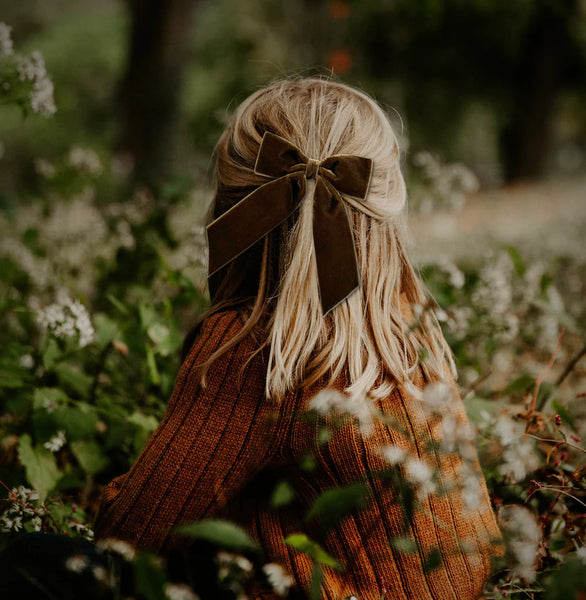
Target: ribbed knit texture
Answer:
pixel 218 446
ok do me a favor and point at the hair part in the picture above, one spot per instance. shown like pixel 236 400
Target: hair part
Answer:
pixel 275 282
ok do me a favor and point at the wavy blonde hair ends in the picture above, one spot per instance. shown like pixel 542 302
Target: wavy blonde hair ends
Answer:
pixel 371 332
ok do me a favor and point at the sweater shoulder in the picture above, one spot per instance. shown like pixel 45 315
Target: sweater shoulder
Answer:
pixel 215 332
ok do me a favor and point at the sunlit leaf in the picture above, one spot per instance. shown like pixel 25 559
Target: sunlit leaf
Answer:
pixel 301 542
pixel 40 467
pixel 222 533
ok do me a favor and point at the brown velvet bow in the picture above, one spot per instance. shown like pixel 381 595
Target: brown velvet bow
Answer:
pixel 273 202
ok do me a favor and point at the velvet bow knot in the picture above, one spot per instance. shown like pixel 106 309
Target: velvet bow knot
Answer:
pixel 269 205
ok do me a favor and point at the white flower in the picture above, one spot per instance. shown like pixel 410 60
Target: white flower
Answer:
pixel 66 318
pixel 101 574
pixel 581 553
pixel 456 277
pixel 330 401
pixel 437 397
pixel 278 579
pixel 26 361
pixel 33 69
pixel 420 475
pixel 6 47
pixel 82 530
pixel 519 460
pixel 507 430
pixel 494 293
pixel 470 486
pixel 522 535
pixel 76 563
pixel 393 454
pixel 179 591
pixel 56 442
pixel 7 524
pixel 117 546
pixel 227 558
pixel 85 159
pixel 44 168
pixel 24 495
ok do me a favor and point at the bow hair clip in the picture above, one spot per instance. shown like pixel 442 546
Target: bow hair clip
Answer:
pixel 272 203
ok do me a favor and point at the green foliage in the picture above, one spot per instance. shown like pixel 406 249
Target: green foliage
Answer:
pixel 222 533
pixel 302 543
pixel 40 466
pixel 93 311
pixel 333 505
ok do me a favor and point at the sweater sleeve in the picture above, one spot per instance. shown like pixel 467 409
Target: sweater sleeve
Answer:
pixel 210 443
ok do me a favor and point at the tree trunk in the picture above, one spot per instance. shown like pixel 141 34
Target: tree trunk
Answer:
pixel 527 140
pixel 149 92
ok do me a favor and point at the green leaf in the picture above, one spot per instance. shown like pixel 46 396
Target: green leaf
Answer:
pixel 44 398
pixel 333 505
pixel 307 463
pixel 149 577
pixel 106 330
pixel 75 380
pixel 301 542
pixel 51 355
pixel 517 260
pixel 222 533
pixel 282 495
pixel 520 384
pixel 568 581
pixel 121 308
pixel 12 380
pixel 323 435
pixel 404 544
pixel 40 467
pixel 79 421
pixel 90 456
pixel 146 422
pixel 152 366
pixel 317 579
pixel 432 561
pixel 147 315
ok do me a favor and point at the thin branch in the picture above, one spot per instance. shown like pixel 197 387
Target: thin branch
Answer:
pixel 571 366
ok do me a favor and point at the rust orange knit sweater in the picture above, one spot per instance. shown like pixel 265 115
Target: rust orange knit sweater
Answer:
pixel 208 456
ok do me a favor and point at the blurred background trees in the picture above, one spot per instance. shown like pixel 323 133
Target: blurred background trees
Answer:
pixel 501 84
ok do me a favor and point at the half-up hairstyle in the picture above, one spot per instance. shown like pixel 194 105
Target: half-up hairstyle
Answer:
pixel 274 283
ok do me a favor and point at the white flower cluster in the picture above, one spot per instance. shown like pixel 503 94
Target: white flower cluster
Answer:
pixel 455 437
pixel 494 293
pixel 522 535
pixel 67 318
pixel 21 509
pixel 33 69
pixel 455 276
pixel 38 269
pixel 448 183
pixel 84 159
pixel 417 472
pixel 227 561
pixel 77 563
pixel 6 47
pixel 82 530
pixel 518 455
pixel 179 591
pixel 56 442
pixel 330 402
pixel 278 578
pixel 124 549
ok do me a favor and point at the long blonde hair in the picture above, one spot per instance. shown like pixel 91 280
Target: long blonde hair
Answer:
pixel 275 283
